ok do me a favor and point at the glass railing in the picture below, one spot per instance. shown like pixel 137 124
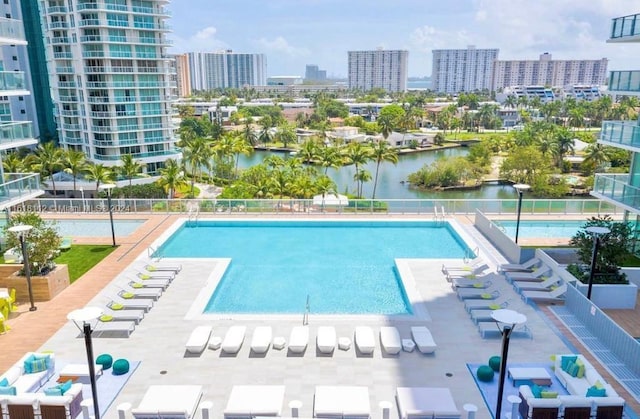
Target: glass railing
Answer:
pixel 11 80
pixel 16 133
pixel 19 186
pixel 617 188
pixel 624 81
pixel 619 133
pixel 625 26
pixel 12 29
pixel 586 207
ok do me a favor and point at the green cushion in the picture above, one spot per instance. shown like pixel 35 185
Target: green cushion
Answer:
pixel 495 307
pixel 127 295
pixel 120 367
pixel 596 392
pixel 546 394
pixel 486 296
pixel 137 285
pixel 598 384
pixel 494 363
pixel 580 372
pixel 478 285
pixel 6 390
pixel 106 318
pixel 484 373
pixel 105 360
pixel 117 306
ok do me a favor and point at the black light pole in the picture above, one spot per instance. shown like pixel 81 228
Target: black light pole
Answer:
pixel 596 232
pixel 510 319
pixel 108 188
pixel 84 316
pixel 22 231
pixel 520 187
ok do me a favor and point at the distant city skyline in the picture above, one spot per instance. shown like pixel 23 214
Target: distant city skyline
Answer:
pixel 293 34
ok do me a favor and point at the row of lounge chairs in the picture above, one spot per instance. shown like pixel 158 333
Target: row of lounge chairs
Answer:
pixel 326 340
pixel 135 296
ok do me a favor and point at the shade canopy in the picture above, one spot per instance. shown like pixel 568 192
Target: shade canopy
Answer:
pixel 330 199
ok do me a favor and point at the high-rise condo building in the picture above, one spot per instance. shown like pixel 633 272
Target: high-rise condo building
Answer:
pixel 111 79
pixel 313 73
pixel 226 69
pixel 183 78
pixel 462 70
pixel 548 72
pixel 17 130
pixel 384 69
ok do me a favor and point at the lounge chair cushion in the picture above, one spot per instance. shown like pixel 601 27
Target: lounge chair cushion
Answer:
pixel 299 339
pixel 233 340
pixel 198 339
pixel 364 339
pixel 390 340
pixel 326 340
pixel 8 390
pixel 424 340
pixel 261 339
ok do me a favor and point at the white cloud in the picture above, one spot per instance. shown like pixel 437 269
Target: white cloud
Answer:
pixel 204 40
pixel 280 45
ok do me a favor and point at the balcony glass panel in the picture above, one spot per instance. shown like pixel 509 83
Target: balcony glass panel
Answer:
pixel 625 81
pixel 12 29
pixel 15 132
pixel 620 133
pixel 625 26
pixel 17 185
pixel 617 188
pixel 12 80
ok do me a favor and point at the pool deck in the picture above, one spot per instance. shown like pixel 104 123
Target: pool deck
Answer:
pixel 158 341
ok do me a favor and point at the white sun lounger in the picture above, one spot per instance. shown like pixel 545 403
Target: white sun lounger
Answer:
pixel 365 340
pixel 141 293
pixel 478 294
pixel 233 340
pixel 299 339
pixel 345 402
pixel 247 402
pixel 466 266
pixel 155 275
pixel 481 315
pixel 261 339
pixel 124 315
pixel 465 273
pixel 423 339
pixel 113 329
pixel 326 339
pixel 426 402
pixel 545 285
pixel 198 339
pixel 130 304
pixel 470 305
pixel 545 296
pixel 470 283
pixel 155 267
pixel 490 328
pixel 169 402
pixel 149 283
pixel 538 275
pixel 528 266
pixel 390 340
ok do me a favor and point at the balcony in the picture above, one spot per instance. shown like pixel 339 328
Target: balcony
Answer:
pixel 625 29
pixel 16 134
pixel 19 187
pixel 625 82
pixel 11 32
pixel 615 188
pixel 621 134
pixel 11 81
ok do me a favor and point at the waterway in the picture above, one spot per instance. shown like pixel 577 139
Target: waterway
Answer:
pixel 392 178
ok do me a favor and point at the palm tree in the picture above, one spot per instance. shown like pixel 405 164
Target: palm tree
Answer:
pixel 286 134
pixel 362 177
pixel 249 134
pixel 329 156
pixel 358 155
pixel 171 177
pixel 130 167
pixel 596 155
pixel 382 151
pixel 12 163
pixel 511 101
pixel 240 146
pixel 309 151
pixel 47 160
pixel 196 154
pixel 385 122
pixel 325 186
pixel 100 173
pixel 75 162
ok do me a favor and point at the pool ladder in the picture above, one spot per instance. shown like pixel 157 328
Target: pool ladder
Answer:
pixel 305 316
pixel 193 213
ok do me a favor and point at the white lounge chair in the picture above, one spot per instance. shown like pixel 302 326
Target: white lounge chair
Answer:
pixel 198 339
pixel 130 304
pixel 545 296
pixel 149 283
pixel 156 267
pixel 464 267
pixel 233 340
pixel 423 339
pixel 490 328
pixel 326 339
pixel 470 283
pixel 247 402
pixel 528 266
pixel 390 340
pixel 481 315
pixel 466 273
pixel 365 340
pixel 123 315
pixel 470 305
pixel 113 329
pixel 141 293
pixel 538 275
pixel 299 339
pixel 155 275
pixel 346 402
pixel 477 294
pixel 169 402
pixel 261 339
pixel 426 402
pixel 546 285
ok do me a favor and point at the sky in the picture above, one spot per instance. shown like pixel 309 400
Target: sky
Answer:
pixel 294 33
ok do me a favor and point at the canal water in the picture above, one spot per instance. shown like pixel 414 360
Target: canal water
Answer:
pixel 392 178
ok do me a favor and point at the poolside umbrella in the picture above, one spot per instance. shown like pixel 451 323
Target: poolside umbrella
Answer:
pixel 330 199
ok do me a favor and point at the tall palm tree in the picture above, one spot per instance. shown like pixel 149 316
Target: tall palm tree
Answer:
pixel 171 177
pixel 196 154
pixel 386 124
pixel 381 152
pixel 12 163
pixel 362 177
pixel 75 162
pixel 239 146
pixel 100 173
pixel 286 134
pixel 130 167
pixel 358 155
pixel 249 134
pixel 329 156
pixel 47 160
pixel 596 155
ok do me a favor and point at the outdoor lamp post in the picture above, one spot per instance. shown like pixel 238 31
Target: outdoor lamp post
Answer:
pixel 22 231
pixel 107 187
pixel 82 318
pixel 520 187
pixel 596 232
pixel 506 320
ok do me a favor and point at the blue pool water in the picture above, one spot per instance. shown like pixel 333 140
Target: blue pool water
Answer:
pixel 344 267
pixel 94 228
pixel 542 228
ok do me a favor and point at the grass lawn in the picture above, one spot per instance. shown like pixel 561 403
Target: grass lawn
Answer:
pixel 81 258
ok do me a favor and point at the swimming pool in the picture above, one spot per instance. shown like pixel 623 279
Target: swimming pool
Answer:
pixel 345 267
pixel 94 228
pixel 531 229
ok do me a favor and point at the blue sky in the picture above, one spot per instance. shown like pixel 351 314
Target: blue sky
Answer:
pixel 293 33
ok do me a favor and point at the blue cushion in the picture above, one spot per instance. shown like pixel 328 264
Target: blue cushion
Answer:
pixel 4 383
pixel 5 390
pixel 596 392
pixel 66 386
pixel 537 391
pixel 573 369
pixel 565 360
pixel 46 357
pixel 37 365
pixel 53 391
pixel 27 364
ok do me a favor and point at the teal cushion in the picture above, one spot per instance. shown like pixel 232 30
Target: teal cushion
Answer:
pixel 53 391
pixel 27 364
pixel 105 360
pixel 120 367
pixel 6 390
pixel 536 390
pixel 46 357
pixel 565 360
pixel 4 383
pixel 573 369
pixel 37 365
pixel 596 392
pixel 484 373
pixel 494 363
pixel 64 387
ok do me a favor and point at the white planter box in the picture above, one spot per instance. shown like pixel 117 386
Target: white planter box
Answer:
pixel 611 296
